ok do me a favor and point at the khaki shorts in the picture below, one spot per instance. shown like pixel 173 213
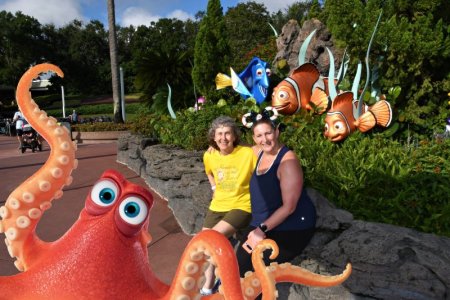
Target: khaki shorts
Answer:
pixel 237 218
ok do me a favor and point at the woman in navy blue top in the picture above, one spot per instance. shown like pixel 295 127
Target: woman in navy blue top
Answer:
pixel 281 211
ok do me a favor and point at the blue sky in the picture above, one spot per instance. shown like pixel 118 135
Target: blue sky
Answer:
pixel 128 12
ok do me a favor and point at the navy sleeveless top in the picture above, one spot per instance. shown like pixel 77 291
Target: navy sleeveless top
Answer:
pixel 266 198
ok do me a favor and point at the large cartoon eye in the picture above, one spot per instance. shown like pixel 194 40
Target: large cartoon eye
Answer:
pixel 133 210
pixel 259 72
pixel 326 127
pixel 283 95
pixel 338 125
pixel 268 72
pixel 104 193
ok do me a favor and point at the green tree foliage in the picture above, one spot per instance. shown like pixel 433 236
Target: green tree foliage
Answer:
pixel 159 68
pixel 85 58
pixel 299 10
pixel 21 45
pixel 248 28
pixel 315 10
pixel 411 50
pixel 296 11
pixel 163 56
pixel 212 54
pixel 124 37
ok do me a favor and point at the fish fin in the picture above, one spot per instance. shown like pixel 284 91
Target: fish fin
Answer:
pixel 383 113
pixel 238 85
pixel 342 99
pixel 325 83
pixel 366 122
pixel 222 81
pixel 309 68
pixel 320 99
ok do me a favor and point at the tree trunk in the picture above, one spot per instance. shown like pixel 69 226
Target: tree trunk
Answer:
pixel 114 62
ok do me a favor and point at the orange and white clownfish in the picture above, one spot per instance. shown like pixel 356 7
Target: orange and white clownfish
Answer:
pixel 297 92
pixel 340 121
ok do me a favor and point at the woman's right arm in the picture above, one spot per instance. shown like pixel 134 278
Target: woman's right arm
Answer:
pixel 208 170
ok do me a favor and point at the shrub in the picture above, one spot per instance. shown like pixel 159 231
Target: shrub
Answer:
pixel 376 178
pixel 101 126
pixel 189 129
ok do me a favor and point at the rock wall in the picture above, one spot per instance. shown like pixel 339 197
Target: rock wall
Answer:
pixel 292 37
pixel 389 262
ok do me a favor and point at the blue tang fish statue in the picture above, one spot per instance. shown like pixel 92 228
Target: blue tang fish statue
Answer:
pixel 253 81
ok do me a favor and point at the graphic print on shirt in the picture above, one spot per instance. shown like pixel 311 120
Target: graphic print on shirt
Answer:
pixel 227 178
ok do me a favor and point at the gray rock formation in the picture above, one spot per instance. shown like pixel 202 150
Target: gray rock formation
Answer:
pixel 292 37
pixel 389 262
pixel 177 175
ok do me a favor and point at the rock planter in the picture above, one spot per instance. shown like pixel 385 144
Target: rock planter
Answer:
pixel 90 137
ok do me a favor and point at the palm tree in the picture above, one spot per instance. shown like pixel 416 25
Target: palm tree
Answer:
pixel 158 68
pixel 114 62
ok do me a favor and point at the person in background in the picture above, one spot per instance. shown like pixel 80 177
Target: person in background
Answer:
pixel 228 168
pixel 20 121
pixel 73 117
pixel 281 209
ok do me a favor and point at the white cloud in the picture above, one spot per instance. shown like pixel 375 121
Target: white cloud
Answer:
pixel 137 16
pixel 274 6
pixel 57 12
pixel 180 15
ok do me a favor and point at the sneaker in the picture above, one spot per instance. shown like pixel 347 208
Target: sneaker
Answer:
pixel 205 292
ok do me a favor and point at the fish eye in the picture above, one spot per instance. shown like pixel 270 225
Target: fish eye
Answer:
pixel 259 72
pixel 338 125
pixel 133 210
pixel 268 72
pixel 283 95
pixel 104 193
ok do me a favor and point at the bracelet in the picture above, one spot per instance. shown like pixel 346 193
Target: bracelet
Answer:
pixel 213 187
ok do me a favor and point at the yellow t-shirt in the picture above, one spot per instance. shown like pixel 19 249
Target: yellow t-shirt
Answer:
pixel 232 175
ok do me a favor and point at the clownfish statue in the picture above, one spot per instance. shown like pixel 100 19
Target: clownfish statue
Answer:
pixel 340 121
pixel 347 114
pixel 300 90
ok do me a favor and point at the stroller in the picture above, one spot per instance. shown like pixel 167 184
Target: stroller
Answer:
pixel 31 139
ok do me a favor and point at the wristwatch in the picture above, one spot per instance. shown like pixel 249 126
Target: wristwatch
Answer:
pixel 263 227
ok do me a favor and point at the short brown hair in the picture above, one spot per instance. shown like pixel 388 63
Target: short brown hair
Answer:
pixel 223 121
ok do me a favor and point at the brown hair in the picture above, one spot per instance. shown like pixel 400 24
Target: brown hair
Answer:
pixel 223 121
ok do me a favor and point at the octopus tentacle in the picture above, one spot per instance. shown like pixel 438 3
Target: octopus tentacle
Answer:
pixel 189 275
pixel 264 278
pixel 24 207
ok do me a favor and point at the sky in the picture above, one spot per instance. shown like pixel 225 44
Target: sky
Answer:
pixel 128 12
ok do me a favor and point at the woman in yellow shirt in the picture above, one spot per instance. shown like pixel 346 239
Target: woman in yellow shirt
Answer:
pixel 229 170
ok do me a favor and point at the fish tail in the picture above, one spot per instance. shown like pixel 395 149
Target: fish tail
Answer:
pixel 366 122
pixel 383 113
pixel 222 81
pixel 320 100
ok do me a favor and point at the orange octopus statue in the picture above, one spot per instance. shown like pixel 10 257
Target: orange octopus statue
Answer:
pixel 104 254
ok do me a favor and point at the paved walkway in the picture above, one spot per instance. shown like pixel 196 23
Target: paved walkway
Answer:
pixel 168 239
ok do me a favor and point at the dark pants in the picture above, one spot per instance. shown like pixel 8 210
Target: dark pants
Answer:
pixel 290 243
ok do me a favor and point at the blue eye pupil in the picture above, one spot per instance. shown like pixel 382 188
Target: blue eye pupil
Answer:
pixel 107 195
pixel 132 209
